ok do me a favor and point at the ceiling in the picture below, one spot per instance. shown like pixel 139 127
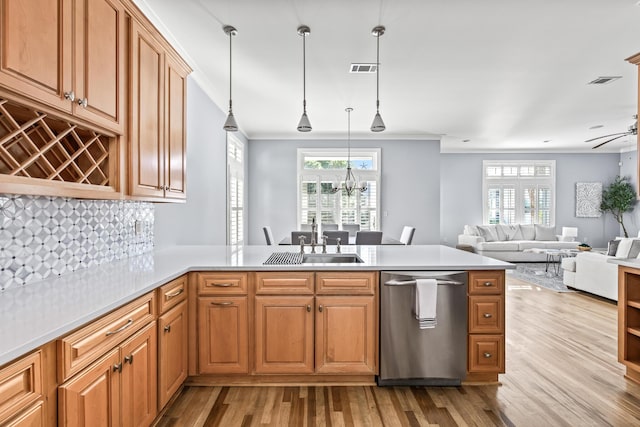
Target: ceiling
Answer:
pixel 492 75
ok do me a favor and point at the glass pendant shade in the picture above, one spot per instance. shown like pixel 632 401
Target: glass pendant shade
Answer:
pixel 304 125
pixel 378 124
pixel 230 124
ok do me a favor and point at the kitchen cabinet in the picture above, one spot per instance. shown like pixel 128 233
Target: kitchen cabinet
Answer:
pixel 486 323
pixel 223 323
pixel 109 369
pixel 629 321
pixel 22 392
pixel 157 128
pixel 67 54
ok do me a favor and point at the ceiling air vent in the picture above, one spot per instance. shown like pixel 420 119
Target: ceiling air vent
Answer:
pixel 604 80
pixel 362 68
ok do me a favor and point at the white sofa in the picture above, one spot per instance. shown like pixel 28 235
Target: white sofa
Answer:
pixel 590 271
pixel 513 243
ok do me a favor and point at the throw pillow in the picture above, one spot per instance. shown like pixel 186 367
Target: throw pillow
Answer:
pixel 528 232
pixel 471 230
pixel 509 231
pixel 635 249
pixel 545 233
pixel 612 247
pixel 623 248
pixel 488 232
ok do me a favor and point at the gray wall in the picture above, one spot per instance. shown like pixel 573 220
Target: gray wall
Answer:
pixel 409 194
pixel 461 191
pixel 203 219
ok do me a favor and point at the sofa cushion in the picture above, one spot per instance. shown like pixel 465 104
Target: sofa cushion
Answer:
pixel 528 232
pixel 612 247
pixel 623 247
pixel 509 231
pixel 471 230
pixel 529 244
pixel 634 251
pixel 545 233
pixel 497 246
pixel 488 232
pixel 568 264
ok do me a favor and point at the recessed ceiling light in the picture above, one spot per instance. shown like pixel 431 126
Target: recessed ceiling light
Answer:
pixel 546 141
pixel 604 80
pixel 466 140
pixel 596 127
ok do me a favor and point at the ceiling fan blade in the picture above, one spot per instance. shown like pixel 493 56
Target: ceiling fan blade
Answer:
pixel 606 136
pixel 609 140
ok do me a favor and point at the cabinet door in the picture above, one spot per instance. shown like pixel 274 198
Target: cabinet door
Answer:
pixel 284 334
pixel 146 127
pixel 35 49
pixel 175 140
pixel 223 336
pixel 139 378
pixel 346 336
pixel 99 55
pixel 92 398
pixel 172 353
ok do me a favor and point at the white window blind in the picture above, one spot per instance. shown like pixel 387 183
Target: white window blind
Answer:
pixel 519 192
pixel 319 170
pixel 235 191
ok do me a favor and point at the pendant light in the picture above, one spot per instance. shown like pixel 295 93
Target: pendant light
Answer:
pixel 350 184
pixel 378 124
pixel 304 125
pixel 230 124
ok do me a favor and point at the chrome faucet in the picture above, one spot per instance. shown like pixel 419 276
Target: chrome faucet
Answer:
pixel 337 245
pixel 313 243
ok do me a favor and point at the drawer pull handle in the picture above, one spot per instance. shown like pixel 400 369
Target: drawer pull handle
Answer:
pixel 488 284
pixel 117 367
pixel 487 355
pixel 175 294
pixel 122 328
pixel 487 315
pixel 222 303
pixel 223 285
pixel 129 359
pixel 167 328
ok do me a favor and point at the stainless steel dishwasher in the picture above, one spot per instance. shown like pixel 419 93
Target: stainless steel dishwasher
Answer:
pixel 413 356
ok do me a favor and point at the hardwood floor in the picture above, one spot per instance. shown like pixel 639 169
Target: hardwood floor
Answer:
pixel 562 370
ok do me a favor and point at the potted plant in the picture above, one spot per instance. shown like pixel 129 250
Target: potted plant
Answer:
pixel 619 197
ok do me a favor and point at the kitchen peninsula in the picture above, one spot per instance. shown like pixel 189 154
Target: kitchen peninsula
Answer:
pixel 194 283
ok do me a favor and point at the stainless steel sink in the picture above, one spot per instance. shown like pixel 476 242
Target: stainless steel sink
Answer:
pixel 331 259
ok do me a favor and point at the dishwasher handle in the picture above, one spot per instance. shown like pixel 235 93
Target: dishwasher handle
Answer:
pixel 413 282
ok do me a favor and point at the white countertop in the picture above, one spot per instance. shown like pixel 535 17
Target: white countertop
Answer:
pixel 625 262
pixel 37 313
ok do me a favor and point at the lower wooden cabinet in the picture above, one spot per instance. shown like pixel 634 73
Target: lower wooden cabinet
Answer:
pixel 172 352
pixel 284 334
pixel 486 353
pixel 345 334
pixel 223 328
pixel 33 416
pixel 22 391
pixel 118 389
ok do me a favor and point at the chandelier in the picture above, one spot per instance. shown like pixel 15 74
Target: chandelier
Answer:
pixel 350 184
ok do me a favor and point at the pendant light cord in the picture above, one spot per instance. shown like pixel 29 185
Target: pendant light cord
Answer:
pixel 304 72
pixel 349 137
pixel 378 73
pixel 230 97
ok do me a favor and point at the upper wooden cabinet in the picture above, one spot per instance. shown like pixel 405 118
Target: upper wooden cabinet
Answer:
pixel 157 128
pixel 68 55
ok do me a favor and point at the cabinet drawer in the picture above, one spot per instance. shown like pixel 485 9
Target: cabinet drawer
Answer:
pixel 486 353
pixel 172 293
pixel 20 385
pixel 284 283
pixel 222 283
pixel 82 347
pixel 486 282
pixel 486 314
pixel 342 282
pixel 30 417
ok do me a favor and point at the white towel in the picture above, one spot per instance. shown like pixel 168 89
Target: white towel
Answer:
pixel 426 300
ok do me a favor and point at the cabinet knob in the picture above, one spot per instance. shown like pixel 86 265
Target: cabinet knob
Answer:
pixel 309 308
pixel 166 188
pixel 487 355
pixel 320 308
pixel 71 96
pixel 488 284
pixel 167 328
pixel 129 359
pixel 83 102
pixel 117 367
pixel 487 315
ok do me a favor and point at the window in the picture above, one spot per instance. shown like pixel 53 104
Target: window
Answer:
pixel 519 192
pixel 235 191
pixel 320 170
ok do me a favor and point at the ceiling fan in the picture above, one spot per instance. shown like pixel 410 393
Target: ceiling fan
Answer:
pixel 633 130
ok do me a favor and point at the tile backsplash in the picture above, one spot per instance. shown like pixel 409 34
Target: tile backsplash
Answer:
pixel 44 236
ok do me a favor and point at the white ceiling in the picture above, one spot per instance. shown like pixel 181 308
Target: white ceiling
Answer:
pixel 504 74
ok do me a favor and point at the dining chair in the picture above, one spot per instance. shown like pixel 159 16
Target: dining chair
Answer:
pixel 295 237
pixel 329 227
pixel 333 235
pixel 351 228
pixel 368 237
pixel 407 234
pixel 268 235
